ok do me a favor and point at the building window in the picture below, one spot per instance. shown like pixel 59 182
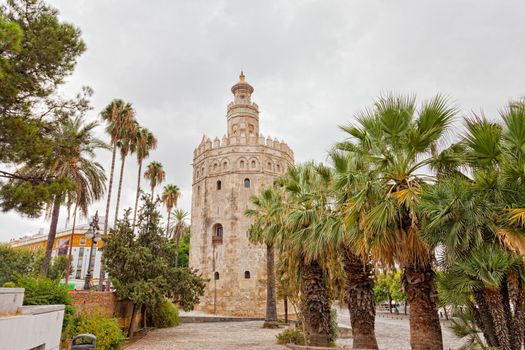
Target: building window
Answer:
pixel 247 275
pixel 218 231
pixel 216 276
pixel 253 164
pixel 246 183
pixel 219 184
pixel 269 166
pixel 225 166
pixel 278 168
pixel 241 164
pixel 82 240
pixel 215 166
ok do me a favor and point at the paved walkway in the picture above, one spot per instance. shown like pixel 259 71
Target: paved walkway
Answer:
pixel 246 335
pixel 392 334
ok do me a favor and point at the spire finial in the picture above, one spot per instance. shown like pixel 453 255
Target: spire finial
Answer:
pixel 241 77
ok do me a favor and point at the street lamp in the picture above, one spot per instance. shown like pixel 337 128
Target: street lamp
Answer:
pixel 93 234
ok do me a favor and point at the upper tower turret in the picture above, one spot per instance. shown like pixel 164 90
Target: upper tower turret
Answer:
pixel 243 115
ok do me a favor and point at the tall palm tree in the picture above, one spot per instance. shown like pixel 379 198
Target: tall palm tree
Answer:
pixel 396 138
pixel 178 229
pixel 145 141
pixel 126 145
pixel 267 206
pixel 155 174
pixel 72 161
pixel 169 197
pixel 120 116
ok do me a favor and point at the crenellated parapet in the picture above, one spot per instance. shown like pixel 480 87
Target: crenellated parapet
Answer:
pixel 226 143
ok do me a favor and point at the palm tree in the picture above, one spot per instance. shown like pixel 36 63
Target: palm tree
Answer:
pixel 345 235
pixel 169 197
pixel 178 229
pixel 264 230
pixel 472 217
pixel 306 203
pixel 72 161
pixel 144 143
pixel 155 174
pixel 126 145
pixel 396 140
pixel 120 116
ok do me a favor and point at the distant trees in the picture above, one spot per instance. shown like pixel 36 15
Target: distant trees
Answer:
pixel 155 174
pixel 170 196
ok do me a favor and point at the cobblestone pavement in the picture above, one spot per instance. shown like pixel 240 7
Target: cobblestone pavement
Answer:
pixel 210 336
pixel 392 334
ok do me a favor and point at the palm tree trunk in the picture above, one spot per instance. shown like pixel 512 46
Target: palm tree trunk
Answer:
pixel 483 319
pixel 71 244
pixel 51 236
pixel 425 329
pixel 137 196
pixel 496 309
pixel 315 304
pixel 119 189
pixel 168 224
pixel 102 273
pixel 520 315
pixel 509 317
pixel 359 290
pixel 270 320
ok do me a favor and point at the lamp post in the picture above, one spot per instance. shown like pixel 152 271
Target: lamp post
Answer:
pixel 93 234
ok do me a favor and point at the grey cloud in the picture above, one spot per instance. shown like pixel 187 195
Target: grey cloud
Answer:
pixel 313 65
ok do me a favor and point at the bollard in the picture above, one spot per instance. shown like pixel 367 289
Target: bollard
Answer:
pixel 92 345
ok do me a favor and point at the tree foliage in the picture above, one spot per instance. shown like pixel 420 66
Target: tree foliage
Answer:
pixel 37 53
pixel 142 267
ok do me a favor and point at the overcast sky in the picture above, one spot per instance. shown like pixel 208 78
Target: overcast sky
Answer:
pixel 313 65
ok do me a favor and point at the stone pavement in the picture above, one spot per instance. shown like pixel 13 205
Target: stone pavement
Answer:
pixel 392 334
pixel 210 336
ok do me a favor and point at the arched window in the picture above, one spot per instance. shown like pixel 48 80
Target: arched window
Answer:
pixel 215 166
pixel 241 164
pixel 269 166
pixel 218 230
pixel 225 166
pixel 247 275
pixel 247 183
pixel 278 168
pixel 253 164
pixel 216 276
pixel 219 183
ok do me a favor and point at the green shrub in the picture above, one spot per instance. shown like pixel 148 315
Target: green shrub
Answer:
pixel 44 291
pixel 16 261
pixel 106 329
pixel 165 315
pixel 291 336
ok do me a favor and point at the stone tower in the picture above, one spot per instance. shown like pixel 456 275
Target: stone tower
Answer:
pixel 226 173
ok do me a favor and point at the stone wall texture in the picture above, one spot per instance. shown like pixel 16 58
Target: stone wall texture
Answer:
pixel 226 173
